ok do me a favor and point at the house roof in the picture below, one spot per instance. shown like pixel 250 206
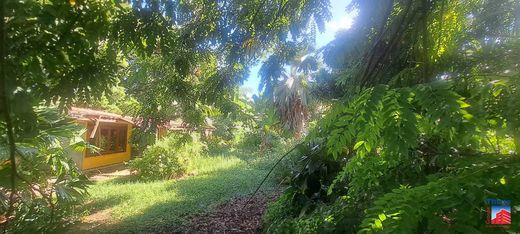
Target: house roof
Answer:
pixel 90 114
pixel 93 115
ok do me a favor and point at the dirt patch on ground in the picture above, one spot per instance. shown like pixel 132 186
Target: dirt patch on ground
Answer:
pixel 92 221
pixel 108 172
pixel 231 217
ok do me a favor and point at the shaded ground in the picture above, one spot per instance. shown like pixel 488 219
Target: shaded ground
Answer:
pixel 101 217
pixel 234 216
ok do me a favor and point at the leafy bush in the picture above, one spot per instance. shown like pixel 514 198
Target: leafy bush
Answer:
pixel 415 159
pixel 454 203
pixel 48 183
pixel 265 139
pixel 286 168
pixel 140 140
pixel 168 158
pixel 290 165
pixel 239 136
pixel 228 136
pixel 288 215
pixel 279 211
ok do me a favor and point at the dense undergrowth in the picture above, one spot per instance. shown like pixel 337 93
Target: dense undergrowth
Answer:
pixel 418 159
pixel 426 130
pixel 48 182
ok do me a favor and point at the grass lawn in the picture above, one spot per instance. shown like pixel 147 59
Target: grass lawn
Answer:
pixel 129 205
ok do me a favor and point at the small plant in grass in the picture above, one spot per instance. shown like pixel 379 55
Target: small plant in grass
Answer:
pixel 169 157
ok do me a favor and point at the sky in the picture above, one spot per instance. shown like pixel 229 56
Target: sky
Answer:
pixel 340 21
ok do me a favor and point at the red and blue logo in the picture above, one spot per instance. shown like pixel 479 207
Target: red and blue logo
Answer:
pixel 499 211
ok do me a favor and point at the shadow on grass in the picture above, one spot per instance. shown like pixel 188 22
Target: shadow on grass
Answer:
pixel 93 206
pixel 191 196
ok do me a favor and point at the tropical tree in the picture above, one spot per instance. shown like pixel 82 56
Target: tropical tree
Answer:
pixel 50 53
pixel 423 126
pixel 202 51
pixel 291 96
pixel 289 90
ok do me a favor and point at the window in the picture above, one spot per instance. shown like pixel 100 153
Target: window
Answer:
pixel 110 138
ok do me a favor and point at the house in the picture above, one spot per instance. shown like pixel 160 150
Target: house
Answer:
pixel 107 131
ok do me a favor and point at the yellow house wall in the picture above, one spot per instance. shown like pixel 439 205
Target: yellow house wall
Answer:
pixel 108 159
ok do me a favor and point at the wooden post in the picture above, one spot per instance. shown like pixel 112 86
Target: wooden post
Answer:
pixel 93 133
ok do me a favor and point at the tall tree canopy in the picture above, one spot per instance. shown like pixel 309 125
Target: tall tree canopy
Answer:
pixel 399 41
pixel 208 46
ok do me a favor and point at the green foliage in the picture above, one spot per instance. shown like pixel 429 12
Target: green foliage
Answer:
pixel 454 203
pixel 181 67
pixel 48 183
pixel 279 209
pixel 159 162
pixel 425 128
pixel 116 101
pixel 285 216
pixel 289 91
pixel 140 140
pixel 264 139
pixel 74 52
pixel 162 94
pixel 251 128
pixel 386 138
pixel 230 134
pixel 169 157
pixel 422 83
pixel 53 52
pixel 63 43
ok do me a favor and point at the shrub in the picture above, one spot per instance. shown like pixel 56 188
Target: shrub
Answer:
pixel 397 156
pixel 265 140
pixel 286 169
pixel 217 146
pixel 278 212
pixel 168 158
pixel 288 215
pixel 454 203
pixel 48 183
pixel 140 139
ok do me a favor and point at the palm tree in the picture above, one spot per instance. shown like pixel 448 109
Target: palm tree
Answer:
pixel 289 92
